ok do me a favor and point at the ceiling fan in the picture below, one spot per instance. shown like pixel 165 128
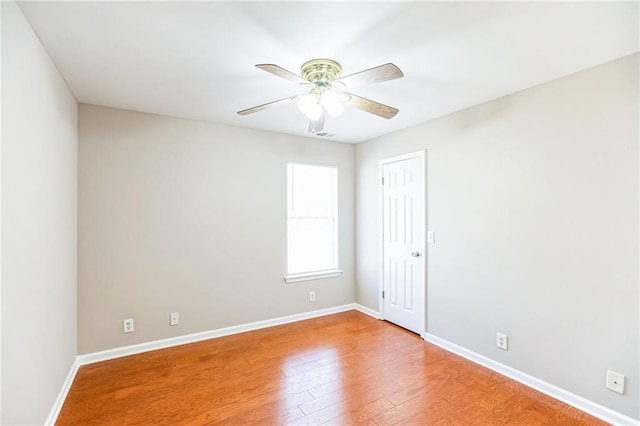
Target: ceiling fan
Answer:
pixel 327 91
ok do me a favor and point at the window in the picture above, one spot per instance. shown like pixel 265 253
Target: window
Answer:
pixel 312 222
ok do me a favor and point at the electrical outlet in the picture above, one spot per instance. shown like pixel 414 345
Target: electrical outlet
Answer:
pixel 615 382
pixel 312 296
pixel 127 325
pixel 502 341
pixel 174 318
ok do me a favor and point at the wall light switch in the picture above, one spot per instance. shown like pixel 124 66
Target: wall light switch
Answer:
pixel 431 237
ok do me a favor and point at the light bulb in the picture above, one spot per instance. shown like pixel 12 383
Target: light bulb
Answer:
pixel 310 107
pixel 331 101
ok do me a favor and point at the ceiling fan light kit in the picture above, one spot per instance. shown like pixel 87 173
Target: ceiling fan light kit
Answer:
pixel 320 73
pixel 310 106
pixel 327 93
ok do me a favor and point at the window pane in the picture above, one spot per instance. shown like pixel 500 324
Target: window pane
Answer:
pixel 312 218
pixel 310 245
pixel 312 191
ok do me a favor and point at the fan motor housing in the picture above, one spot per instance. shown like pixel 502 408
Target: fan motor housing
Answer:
pixel 318 71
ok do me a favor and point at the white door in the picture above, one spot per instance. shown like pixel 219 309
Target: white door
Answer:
pixel 403 250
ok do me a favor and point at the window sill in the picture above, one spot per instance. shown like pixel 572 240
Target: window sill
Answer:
pixel 308 276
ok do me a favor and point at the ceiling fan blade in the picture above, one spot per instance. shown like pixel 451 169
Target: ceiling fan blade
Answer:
pixel 372 75
pixel 268 105
pixel 282 73
pixel 373 107
pixel 317 126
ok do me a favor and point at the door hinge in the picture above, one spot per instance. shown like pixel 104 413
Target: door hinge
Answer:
pixel 383 294
pixel 383 181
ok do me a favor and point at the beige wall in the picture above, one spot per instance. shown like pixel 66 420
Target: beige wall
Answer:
pixel 190 217
pixel 533 198
pixel 534 202
pixel 39 225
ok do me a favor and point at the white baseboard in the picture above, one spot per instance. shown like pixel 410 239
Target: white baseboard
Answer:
pixel 365 310
pixel 90 358
pixel 583 404
pixel 590 407
pixel 57 406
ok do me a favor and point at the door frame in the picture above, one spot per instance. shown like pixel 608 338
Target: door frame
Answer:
pixel 421 155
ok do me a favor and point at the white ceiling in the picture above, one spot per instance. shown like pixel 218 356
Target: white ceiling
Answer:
pixel 196 59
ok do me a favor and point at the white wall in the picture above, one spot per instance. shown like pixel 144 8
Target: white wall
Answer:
pixel 186 216
pixel 39 225
pixel 534 201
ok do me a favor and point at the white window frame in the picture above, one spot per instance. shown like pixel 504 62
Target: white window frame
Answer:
pixel 321 274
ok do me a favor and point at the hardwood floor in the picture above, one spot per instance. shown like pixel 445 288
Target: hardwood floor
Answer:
pixel 340 369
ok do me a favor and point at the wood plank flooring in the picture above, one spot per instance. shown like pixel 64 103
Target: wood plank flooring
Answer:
pixel 340 369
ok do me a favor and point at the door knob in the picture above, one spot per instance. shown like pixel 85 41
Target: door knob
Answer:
pixel 415 254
